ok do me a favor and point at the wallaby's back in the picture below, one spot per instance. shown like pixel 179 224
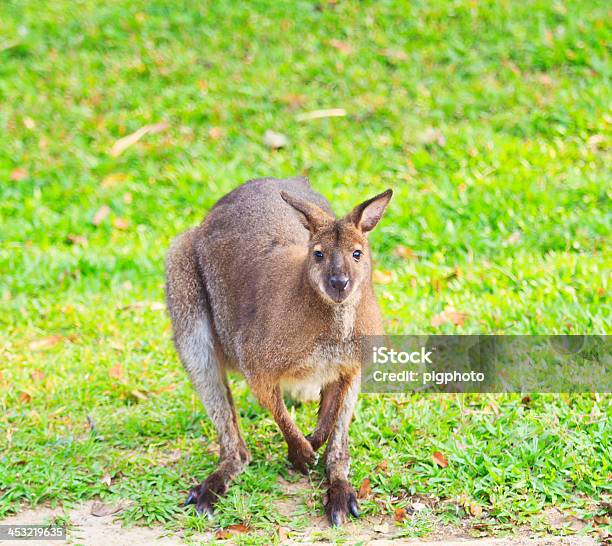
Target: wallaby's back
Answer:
pixel 250 247
pixel 255 212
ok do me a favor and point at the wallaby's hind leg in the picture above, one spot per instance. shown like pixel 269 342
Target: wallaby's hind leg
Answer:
pixel 211 384
pixel 194 339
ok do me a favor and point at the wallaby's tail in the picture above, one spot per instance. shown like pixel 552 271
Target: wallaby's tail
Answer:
pixel 186 296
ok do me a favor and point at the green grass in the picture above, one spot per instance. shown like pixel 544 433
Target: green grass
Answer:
pixel 490 120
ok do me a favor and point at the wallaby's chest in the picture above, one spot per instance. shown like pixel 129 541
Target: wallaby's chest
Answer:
pixel 324 365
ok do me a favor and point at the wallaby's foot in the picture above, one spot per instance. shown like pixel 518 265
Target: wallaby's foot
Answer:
pixel 340 502
pixel 301 456
pixel 207 493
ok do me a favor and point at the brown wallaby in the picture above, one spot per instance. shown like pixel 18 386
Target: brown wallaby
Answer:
pixel 274 286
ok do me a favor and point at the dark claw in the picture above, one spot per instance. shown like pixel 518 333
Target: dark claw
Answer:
pixel 191 499
pixel 206 494
pixel 340 501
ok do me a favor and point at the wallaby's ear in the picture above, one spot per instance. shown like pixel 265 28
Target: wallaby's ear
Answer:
pixel 366 216
pixel 311 216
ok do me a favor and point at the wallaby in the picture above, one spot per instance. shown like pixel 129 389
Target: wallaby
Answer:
pixel 272 285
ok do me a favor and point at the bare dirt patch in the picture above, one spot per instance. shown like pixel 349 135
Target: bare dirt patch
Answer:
pixel 95 524
pixel 382 530
pixel 102 530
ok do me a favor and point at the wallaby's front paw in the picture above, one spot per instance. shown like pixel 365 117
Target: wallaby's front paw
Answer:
pixel 207 493
pixel 301 457
pixel 316 440
pixel 340 501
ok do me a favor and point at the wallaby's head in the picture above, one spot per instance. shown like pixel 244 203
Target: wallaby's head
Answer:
pixel 339 261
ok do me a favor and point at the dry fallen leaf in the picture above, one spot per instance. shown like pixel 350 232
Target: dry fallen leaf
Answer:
pixel 380 276
pixel 76 240
pixel 274 140
pixel 418 506
pixel 124 143
pixel 382 528
pixel 134 305
pixel 139 395
pixel 456 317
pixel 475 510
pixel 596 142
pixel 29 123
pixel 431 135
pixel 320 114
pixel 450 314
pixel 294 101
pixel 116 372
pixel 24 397
pixel 395 54
pixel 438 319
pixel 101 215
pixel 106 479
pixel 46 342
pixel 404 252
pixel 383 466
pixel 436 284
pixel 18 174
pixel 341 46
pixel 215 133
pixel 120 223
pixel 237 529
pixel 113 179
pixel 364 489
pixel 514 238
pixel 99 509
pixel 545 79
pixel 400 514
pixel 439 459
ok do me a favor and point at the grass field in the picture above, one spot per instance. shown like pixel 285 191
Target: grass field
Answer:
pixel 490 120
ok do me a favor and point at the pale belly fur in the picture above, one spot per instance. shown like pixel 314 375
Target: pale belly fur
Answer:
pixel 325 363
pixel 320 369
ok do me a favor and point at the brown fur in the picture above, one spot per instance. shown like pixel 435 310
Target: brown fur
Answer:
pixel 269 285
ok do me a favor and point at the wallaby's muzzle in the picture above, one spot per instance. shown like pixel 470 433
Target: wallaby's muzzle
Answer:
pixel 338 288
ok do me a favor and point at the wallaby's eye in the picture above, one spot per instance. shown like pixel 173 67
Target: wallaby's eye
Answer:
pixel 318 254
pixel 357 255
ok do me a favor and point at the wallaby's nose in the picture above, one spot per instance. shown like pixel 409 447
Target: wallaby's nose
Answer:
pixel 339 282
